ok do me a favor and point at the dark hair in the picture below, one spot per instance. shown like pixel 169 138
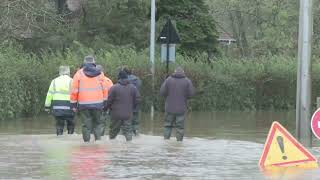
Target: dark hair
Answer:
pixel 127 70
pixel 123 75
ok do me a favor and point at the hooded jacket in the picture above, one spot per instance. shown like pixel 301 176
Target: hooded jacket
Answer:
pixel 137 83
pixel 108 82
pixel 90 70
pixel 123 98
pixel 58 96
pixel 89 90
pixel 177 89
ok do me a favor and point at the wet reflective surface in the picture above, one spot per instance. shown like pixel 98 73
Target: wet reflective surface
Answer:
pixel 218 145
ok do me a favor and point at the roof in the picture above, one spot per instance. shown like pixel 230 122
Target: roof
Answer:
pixel 226 37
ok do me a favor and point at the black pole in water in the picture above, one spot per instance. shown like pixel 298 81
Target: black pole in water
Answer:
pixel 168 49
pixel 168 36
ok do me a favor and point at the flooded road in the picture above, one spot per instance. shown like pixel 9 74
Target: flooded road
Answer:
pixel 218 145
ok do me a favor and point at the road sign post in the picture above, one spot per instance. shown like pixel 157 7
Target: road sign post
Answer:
pixel 168 38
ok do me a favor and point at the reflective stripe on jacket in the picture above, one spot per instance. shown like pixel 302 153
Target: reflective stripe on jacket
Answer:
pixel 108 83
pixel 58 96
pixel 88 92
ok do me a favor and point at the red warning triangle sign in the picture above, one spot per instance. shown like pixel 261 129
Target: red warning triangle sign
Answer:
pixel 282 149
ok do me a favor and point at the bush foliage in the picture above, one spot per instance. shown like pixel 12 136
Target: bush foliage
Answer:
pixel 226 84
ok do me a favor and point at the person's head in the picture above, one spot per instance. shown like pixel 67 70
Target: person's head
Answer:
pixel 64 70
pixel 100 68
pixel 122 75
pixel 89 60
pixel 127 70
pixel 179 69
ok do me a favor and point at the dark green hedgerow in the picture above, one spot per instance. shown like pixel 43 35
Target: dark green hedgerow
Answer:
pixel 226 84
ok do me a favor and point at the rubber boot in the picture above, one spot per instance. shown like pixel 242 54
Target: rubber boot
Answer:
pixel 135 132
pixel 70 131
pixel 59 132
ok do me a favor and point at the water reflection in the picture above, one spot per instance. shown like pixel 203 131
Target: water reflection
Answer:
pixel 57 155
pixel 249 126
pixel 88 162
pixel 291 173
pixel 147 157
pixel 219 145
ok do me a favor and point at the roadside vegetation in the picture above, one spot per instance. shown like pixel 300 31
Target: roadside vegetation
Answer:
pixel 266 83
pixel 256 72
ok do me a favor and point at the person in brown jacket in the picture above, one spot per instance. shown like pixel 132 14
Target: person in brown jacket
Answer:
pixel 177 89
pixel 122 100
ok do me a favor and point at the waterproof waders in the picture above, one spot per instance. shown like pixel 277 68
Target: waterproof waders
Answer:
pixel 61 120
pixel 124 125
pixel 91 122
pixel 171 121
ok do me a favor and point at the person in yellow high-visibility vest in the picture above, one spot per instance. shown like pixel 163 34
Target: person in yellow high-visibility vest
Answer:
pixel 58 101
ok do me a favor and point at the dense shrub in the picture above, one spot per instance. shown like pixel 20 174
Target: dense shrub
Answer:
pixel 226 84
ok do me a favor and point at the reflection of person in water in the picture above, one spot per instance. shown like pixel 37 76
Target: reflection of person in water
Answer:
pixel 57 156
pixel 88 162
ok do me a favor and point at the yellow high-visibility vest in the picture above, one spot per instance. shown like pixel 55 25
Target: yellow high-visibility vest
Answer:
pixel 59 90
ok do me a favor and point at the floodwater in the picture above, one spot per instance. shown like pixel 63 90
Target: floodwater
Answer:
pixel 218 145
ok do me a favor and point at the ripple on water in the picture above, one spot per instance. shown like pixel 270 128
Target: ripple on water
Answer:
pixel 146 157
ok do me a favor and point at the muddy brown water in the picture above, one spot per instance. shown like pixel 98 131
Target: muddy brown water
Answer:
pixel 218 145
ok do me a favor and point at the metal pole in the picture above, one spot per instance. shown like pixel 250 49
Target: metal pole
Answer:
pixel 152 48
pixel 304 74
pixel 167 61
pixel 318 102
pixel 168 48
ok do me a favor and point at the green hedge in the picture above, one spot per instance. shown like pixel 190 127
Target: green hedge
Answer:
pixel 226 84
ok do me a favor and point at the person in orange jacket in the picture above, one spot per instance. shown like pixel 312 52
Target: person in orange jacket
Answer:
pixel 108 84
pixel 108 81
pixel 88 97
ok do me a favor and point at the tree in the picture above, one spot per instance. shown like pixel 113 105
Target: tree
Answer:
pixel 261 27
pixel 24 19
pixel 115 22
pixel 196 27
pixel 35 24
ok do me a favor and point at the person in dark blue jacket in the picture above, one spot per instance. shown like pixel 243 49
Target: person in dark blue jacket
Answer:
pixel 177 90
pixel 136 81
pixel 122 100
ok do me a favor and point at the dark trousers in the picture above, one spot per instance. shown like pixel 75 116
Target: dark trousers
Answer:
pixel 171 121
pixel 60 121
pixel 91 122
pixel 135 123
pixel 105 118
pixel 124 125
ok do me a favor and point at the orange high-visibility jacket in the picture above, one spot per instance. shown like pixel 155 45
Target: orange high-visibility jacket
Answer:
pixel 108 83
pixel 88 92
